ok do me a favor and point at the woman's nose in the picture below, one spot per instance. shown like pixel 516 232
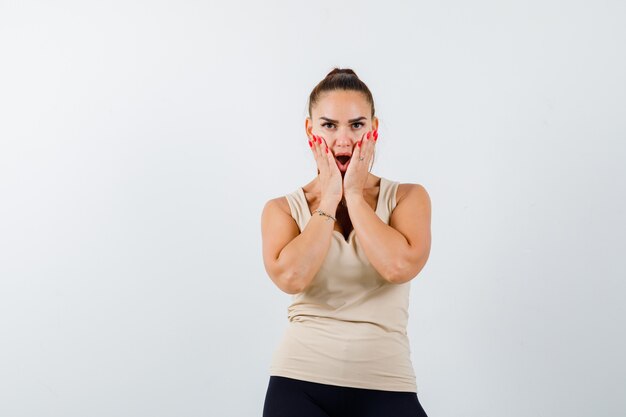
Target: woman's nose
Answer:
pixel 346 138
pixel 343 143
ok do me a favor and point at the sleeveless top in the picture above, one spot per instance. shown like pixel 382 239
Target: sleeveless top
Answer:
pixel 348 327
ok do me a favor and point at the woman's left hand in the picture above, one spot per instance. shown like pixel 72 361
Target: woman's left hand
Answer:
pixel 358 170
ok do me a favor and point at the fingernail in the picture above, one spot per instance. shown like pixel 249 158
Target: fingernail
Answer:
pixel 358 144
pixel 319 138
pixel 327 149
pixel 376 134
pixel 310 144
pixel 368 135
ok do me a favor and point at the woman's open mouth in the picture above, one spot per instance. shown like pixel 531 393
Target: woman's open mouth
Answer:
pixel 343 161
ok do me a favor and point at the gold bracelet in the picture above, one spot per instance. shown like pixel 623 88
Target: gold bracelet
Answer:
pixel 324 214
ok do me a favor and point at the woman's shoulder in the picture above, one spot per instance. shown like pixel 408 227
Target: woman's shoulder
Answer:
pixel 406 189
pixel 279 203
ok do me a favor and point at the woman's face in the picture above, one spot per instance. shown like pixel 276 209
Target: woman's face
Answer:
pixel 341 117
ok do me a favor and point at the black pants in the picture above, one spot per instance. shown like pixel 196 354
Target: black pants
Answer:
pixel 288 397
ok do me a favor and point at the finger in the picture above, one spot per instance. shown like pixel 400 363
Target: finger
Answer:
pixel 363 139
pixel 320 149
pixel 360 145
pixel 332 163
pixel 312 143
pixel 369 146
pixel 330 158
pixel 314 150
pixel 316 153
pixel 324 147
pixel 364 147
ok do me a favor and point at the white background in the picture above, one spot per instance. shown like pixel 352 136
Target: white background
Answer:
pixel 140 141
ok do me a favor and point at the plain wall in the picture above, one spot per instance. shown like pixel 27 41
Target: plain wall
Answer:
pixel 139 142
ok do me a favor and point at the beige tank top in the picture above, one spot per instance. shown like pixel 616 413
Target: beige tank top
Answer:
pixel 348 327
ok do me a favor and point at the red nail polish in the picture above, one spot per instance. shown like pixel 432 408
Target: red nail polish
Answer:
pixel 327 149
pixel 358 144
pixel 376 134
pixel 368 135
pixel 310 144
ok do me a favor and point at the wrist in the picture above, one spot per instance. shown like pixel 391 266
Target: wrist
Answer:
pixel 353 196
pixel 328 207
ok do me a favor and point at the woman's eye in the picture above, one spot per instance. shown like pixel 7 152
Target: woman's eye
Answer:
pixel 358 125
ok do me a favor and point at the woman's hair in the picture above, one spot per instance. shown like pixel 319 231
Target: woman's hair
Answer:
pixel 340 79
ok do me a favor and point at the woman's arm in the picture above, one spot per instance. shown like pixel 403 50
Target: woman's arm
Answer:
pixel 292 259
pixel 398 251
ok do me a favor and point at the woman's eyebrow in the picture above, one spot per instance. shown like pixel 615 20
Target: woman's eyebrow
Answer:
pixel 349 121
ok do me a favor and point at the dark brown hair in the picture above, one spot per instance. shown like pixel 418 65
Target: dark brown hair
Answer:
pixel 340 79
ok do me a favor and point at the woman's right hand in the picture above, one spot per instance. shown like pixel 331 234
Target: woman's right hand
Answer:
pixel 331 182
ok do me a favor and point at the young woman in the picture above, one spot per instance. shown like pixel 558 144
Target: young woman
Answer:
pixel 345 246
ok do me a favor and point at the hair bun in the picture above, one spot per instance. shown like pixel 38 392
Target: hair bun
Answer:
pixel 345 71
pixel 344 79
